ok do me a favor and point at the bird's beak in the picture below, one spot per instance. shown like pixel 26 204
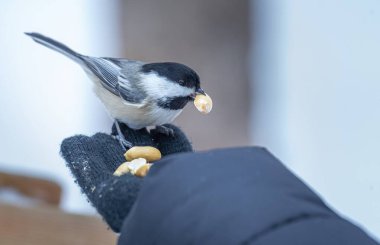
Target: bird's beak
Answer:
pixel 200 91
pixel 197 91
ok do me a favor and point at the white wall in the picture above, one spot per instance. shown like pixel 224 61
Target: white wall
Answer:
pixel 316 81
pixel 45 97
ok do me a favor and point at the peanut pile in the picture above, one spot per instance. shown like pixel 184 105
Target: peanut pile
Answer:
pixel 139 160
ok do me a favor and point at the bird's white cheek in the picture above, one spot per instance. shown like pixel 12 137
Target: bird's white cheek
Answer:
pixel 158 87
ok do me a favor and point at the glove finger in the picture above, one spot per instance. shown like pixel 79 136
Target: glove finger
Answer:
pixel 85 161
pixel 114 198
pixel 169 144
pixel 140 137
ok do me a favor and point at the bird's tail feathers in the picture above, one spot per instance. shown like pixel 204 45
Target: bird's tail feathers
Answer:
pixel 55 45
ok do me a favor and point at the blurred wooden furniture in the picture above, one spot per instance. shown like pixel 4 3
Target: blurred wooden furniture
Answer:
pixel 49 225
pixel 43 190
pixel 45 223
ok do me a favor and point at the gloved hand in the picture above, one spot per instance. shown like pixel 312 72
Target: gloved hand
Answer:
pixel 92 161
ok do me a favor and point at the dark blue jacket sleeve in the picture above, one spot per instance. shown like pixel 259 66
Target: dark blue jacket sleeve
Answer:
pixel 232 196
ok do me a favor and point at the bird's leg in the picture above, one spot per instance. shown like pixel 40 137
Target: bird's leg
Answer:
pixel 124 143
pixel 165 130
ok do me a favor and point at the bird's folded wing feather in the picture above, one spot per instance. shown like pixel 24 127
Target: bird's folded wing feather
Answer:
pixel 130 91
pixel 119 77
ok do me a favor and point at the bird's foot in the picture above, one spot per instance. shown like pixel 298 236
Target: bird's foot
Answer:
pixel 123 142
pixel 120 137
pixel 164 130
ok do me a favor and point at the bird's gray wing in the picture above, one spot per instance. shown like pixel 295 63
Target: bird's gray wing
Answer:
pixel 129 90
pixel 105 70
pixel 119 76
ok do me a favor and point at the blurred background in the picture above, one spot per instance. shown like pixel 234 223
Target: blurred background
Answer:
pixel 298 77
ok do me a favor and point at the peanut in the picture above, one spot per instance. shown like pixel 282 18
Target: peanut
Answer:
pixel 122 169
pixel 150 153
pixel 203 103
pixel 135 164
pixel 143 170
pixel 138 167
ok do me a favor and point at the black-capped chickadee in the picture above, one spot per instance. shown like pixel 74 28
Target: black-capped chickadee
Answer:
pixel 136 93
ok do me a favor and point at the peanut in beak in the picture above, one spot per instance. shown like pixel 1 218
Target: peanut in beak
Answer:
pixel 203 103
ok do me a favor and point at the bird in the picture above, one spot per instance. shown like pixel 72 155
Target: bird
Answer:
pixel 139 94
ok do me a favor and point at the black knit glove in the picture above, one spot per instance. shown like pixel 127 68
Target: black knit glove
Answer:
pixel 92 161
